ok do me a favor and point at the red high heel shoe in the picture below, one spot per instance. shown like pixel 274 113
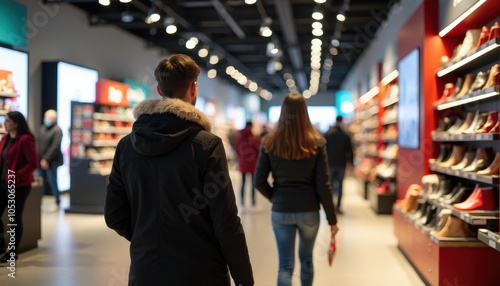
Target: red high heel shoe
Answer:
pixel 494 32
pixel 449 88
pixel 483 38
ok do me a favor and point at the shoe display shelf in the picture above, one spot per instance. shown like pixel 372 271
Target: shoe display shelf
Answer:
pixel 444 261
pixel 479 93
pixel 366 142
pixel 382 191
pixel 5 108
pixel 96 129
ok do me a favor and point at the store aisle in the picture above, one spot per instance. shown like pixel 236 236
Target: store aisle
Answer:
pixel 80 250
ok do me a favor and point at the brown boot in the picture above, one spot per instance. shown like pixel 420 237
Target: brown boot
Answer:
pixel 469 79
pixel 454 227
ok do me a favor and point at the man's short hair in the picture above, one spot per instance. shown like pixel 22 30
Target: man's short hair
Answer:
pixel 175 74
pixel 339 118
pixel 249 124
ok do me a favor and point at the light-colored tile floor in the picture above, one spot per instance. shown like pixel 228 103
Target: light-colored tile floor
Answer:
pixel 79 249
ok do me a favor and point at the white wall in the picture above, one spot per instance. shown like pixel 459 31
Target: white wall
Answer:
pixel 61 32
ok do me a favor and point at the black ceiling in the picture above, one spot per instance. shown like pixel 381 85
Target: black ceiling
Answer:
pixel 231 29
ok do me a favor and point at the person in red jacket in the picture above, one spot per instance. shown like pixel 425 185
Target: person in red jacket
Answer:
pixel 247 147
pixel 18 161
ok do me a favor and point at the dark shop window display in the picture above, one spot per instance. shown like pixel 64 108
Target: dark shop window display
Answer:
pixel 409 96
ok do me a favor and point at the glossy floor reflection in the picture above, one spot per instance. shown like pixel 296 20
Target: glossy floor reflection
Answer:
pixel 80 250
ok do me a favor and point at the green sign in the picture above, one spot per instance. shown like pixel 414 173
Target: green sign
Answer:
pixel 137 92
pixel 12 23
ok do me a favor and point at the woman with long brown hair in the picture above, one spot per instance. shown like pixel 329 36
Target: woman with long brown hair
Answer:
pixel 18 161
pixel 295 154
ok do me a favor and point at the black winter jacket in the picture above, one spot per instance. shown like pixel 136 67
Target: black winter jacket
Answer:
pixel 49 145
pixel 339 147
pixel 170 195
pixel 298 185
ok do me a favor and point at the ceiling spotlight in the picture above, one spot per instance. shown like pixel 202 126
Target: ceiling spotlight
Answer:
pixel 125 1
pixel 320 1
pixel 265 29
pixel 335 43
pixel 334 51
pixel 153 16
pixel 171 29
pixel 127 17
pixel 191 43
pixel 250 2
pixel 317 32
pixel 341 17
pixel 317 15
pixel 214 59
pixel 317 25
pixel 203 52
pixel 212 73
pixel 273 49
pixel 170 26
pixel 229 70
pixel 104 2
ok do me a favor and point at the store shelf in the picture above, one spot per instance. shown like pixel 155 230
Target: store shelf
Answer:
pixel 476 217
pixel 489 237
pixel 388 122
pixel 388 139
pixel 8 94
pixel 112 117
pixel 383 156
pixel 115 130
pixel 390 101
pixel 102 156
pixel 369 112
pixel 372 154
pixel 466 137
pixel 487 53
pixel 385 177
pixel 105 143
pixel 490 93
pixel 470 176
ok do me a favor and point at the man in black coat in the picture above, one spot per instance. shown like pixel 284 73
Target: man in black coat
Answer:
pixel 49 152
pixel 340 157
pixel 170 194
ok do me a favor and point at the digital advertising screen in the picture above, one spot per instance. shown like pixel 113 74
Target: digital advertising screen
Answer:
pixel 62 83
pixel 408 104
pixel 13 81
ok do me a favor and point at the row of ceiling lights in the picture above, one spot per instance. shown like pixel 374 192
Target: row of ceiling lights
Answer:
pixel 273 49
pixel 153 16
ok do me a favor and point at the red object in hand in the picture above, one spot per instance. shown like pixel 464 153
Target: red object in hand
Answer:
pixel 331 251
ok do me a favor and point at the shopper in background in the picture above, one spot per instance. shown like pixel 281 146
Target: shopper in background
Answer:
pixel 340 157
pixel 295 154
pixel 170 193
pixel 247 147
pixel 49 152
pixel 18 161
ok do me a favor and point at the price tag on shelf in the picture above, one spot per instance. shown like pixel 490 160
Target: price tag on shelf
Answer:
pixel 462 216
pixel 479 221
pixel 479 137
pixel 473 176
pixel 492 243
pixel 461 137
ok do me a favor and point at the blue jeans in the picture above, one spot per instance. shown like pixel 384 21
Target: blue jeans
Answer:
pixel 243 183
pixel 50 177
pixel 336 180
pixel 285 226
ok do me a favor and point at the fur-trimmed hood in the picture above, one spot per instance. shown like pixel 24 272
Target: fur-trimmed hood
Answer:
pixel 163 124
pixel 176 106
